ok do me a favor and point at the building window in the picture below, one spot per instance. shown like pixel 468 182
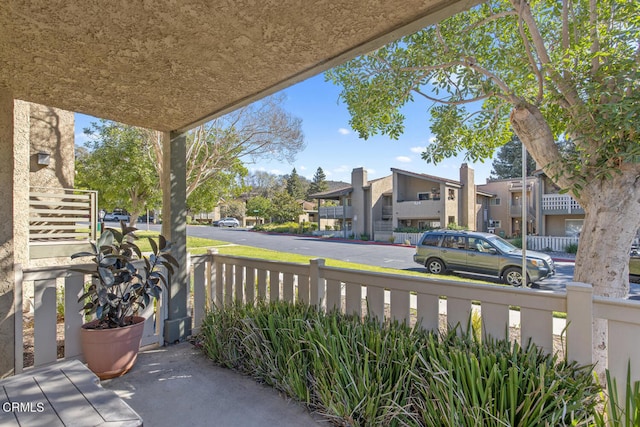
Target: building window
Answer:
pixel 452 220
pixel 452 194
pixel 423 196
pixel 573 227
pixel 495 201
pixel 495 223
pixel 436 193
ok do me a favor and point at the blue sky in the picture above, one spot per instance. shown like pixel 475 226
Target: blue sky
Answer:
pixel 332 145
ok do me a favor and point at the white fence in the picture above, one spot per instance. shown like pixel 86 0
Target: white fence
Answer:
pixel 550 243
pixel 536 243
pixel 412 238
pixel 219 280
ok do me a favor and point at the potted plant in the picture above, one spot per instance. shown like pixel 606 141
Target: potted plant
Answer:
pixel 124 282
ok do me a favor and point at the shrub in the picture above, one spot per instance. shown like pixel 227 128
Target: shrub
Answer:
pixel 517 242
pixel 454 226
pixel 571 248
pixel 408 230
pixel 618 413
pixel 363 372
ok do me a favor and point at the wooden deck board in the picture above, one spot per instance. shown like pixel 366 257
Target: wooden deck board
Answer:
pixel 62 394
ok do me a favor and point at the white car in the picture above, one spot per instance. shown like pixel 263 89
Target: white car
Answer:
pixel 228 222
pixel 116 217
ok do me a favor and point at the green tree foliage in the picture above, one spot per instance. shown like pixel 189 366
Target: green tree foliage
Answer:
pixel 319 183
pixel 294 185
pixel 117 163
pixel 258 206
pixel 508 161
pixel 547 70
pixel 284 208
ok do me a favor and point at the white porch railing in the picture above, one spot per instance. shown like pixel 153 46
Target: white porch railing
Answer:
pixel 56 291
pixel 412 238
pixel 550 243
pixel 560 203
pixel 219 280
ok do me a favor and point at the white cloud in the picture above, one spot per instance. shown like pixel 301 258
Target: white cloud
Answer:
pixel 417 150
pixel 344 131
pixel 302 168
pixel 80 138
pixel 341 169
pixel 403 159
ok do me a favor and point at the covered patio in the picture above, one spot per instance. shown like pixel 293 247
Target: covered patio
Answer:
pixel 189 389
pixel 165 66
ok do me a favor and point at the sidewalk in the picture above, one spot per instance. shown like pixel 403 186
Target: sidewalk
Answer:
pixel 177 385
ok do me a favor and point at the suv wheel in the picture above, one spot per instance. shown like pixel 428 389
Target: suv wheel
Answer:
pixel 513 276
pixel 435 266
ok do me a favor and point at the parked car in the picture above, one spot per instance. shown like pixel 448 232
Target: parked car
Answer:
pixel 227 222
pixel 634 265
pixel 480 253
pixel 117 216
pixel 143 219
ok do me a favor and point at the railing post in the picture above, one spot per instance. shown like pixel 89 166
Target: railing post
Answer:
pixel 316 282
pixel 579 322
pixel 211 279
pixel 199 294
pixel 17 309
pixel 93 216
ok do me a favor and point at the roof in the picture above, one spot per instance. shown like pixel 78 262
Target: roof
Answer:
pixel 169 66
pixel 338 192
pixel 428 177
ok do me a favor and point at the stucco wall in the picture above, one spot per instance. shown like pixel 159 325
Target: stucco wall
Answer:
pixel 52 131
pixel 378 188
pixel 556 224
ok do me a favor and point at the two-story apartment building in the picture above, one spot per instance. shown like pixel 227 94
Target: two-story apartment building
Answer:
pixel 506 206
pixel 405 199
pixel 559 214
pixel 361 208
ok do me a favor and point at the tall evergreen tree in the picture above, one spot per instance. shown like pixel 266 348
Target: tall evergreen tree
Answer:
pixel 508 163
pixel 294 185
pixel 319 183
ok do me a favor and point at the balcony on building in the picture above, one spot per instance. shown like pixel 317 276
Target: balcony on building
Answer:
pixel 560 204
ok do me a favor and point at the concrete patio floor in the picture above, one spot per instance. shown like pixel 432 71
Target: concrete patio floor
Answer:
pixel 177 385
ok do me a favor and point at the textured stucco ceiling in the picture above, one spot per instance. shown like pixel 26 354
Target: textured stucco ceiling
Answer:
pixel 171 64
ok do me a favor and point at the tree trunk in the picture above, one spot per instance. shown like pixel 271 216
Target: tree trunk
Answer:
pixel 612 218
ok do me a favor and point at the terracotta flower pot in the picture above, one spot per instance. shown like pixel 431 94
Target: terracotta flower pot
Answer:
pixel 110 353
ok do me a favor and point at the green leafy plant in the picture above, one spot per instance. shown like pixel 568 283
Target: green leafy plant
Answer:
pixel 360 371
pixel 621 414
pixel 517 242
pixel 124 281
pixel 571 248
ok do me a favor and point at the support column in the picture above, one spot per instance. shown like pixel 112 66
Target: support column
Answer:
pixel 14 186
pixel 174 227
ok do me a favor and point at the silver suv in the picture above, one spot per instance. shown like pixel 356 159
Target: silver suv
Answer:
pixel 481 253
